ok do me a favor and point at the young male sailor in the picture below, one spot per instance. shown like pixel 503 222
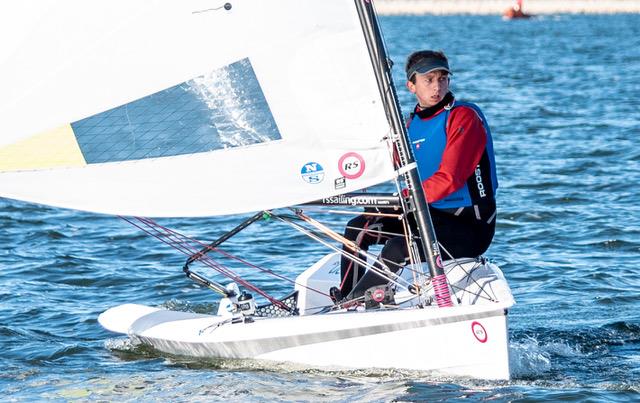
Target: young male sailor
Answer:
pixel 452 146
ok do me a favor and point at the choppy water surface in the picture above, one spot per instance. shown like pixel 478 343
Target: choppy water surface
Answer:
pixel 561 94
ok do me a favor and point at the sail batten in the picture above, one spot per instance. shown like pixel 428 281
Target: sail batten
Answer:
pixel 166 112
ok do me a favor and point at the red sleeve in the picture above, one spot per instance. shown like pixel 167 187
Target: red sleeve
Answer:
pixel 466 141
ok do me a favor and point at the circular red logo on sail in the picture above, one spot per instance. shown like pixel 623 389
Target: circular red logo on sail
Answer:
pixel 351 165
pixel 479 332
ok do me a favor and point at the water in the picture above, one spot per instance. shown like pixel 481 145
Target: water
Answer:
pixel 561 94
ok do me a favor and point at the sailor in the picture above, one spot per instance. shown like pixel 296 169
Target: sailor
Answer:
pixel 452 146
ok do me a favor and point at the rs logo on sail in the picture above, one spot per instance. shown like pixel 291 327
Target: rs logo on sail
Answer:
pixel 351 165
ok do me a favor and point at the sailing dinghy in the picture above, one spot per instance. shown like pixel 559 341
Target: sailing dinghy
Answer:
pixel 156 109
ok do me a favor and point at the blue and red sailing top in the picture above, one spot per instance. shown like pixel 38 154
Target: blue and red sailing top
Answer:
pixel 453 148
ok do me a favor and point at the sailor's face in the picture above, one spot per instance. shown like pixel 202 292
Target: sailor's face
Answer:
pixel 430 88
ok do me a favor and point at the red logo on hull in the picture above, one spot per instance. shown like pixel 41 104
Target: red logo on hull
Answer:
pixel 479 332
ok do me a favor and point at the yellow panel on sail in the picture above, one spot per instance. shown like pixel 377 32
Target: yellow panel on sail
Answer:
pixel 52 149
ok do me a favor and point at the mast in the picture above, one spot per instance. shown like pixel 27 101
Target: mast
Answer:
pixel 382 68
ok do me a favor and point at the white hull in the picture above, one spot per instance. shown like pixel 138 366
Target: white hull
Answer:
pixel 465 340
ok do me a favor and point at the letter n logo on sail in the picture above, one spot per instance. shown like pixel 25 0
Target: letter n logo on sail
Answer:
pixel 312 172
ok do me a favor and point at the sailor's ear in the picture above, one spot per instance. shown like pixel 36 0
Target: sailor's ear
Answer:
pixel 411 86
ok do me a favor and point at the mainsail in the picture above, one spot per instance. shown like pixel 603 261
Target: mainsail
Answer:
pixel 187 108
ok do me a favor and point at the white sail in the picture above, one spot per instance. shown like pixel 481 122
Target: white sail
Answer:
pixel 187 108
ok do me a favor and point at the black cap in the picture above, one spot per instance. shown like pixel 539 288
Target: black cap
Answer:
pixel 427 65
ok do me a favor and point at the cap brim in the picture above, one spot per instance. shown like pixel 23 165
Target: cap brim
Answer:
pixel 427 66
pixel 429 70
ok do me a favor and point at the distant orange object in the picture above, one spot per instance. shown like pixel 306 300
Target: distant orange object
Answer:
pixel 515 11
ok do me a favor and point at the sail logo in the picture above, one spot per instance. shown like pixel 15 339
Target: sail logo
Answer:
pixel 351 165
pixel 312 172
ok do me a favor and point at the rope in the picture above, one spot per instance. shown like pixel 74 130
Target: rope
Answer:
pixel 267 271
pixel 347 212
pixel 186 245
pixel 393 278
